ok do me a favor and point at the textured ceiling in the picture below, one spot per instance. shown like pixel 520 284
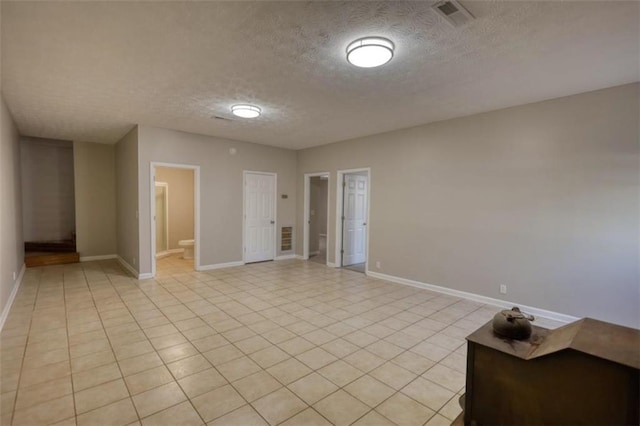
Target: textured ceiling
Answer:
pixel 90 70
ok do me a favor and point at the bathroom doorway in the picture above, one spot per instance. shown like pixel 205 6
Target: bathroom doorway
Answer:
pixel 316 214
pixel 174 219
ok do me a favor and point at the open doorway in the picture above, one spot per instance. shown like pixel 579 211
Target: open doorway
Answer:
pixel 316 214
pixel 174 218
pixel 352 230
pixel 48 201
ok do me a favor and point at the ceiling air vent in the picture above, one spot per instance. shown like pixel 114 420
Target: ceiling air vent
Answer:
pixel 453 12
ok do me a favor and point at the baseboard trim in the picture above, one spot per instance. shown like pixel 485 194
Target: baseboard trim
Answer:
pixel 219 266
pixel 101 257
pixel 314 253
pixel 286 257
pixel 474 297
pixel 12 296
pixel 166 253
pixel 145 276
pixel 128 267
pixel 331 265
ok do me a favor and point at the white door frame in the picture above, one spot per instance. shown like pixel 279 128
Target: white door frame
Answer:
pixel 307 211
pixel 196 210
pixel 244 211
pixel 339 199
pixel 166 210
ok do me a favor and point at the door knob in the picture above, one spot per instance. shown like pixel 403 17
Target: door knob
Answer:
pixel 273 221
pixel 364 224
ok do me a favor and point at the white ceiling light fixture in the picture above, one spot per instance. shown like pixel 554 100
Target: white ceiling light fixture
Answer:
pixel 246 111
pixel 369 52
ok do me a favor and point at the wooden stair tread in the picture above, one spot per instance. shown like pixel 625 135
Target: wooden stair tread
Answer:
pixel 51 259
pixel 63 246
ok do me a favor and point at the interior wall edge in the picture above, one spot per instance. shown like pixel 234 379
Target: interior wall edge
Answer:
pixel 126 265
pixel 127 206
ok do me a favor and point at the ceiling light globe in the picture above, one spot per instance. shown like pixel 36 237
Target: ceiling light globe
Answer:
pixel 246 111
pixel 370 52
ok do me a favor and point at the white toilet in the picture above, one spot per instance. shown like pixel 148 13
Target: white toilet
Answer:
pixel 187 245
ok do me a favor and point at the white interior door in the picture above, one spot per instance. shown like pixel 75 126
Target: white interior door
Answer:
pixel 260 217
pixel 354 227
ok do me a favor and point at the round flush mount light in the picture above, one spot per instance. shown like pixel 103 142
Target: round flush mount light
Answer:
pixel 370 52
pixel 246 111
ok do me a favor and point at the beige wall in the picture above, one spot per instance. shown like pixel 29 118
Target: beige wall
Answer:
pixel 181 203
pixel 220 187
pixel 542 198
pixel 95 190
pixel 127 177
pixel 318 206
pixel 11 241
pixel 48 206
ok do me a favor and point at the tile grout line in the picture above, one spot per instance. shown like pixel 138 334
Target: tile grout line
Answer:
pixel 162 359
pixel 24 354
pixel 366 373
pixel 214 367
pixel 66 323
pixel 386 361
pixel 112 351
pixel 248 356
pixel 136 283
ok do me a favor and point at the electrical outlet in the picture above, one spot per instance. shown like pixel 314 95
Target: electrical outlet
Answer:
pixel 503 289
pixel 14 275
pixel 378 264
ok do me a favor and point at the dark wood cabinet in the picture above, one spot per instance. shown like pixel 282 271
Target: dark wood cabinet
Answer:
pixel 586 372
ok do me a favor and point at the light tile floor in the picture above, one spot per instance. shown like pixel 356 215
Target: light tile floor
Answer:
pixel 357 267
pixel 289 342
pixel 319 258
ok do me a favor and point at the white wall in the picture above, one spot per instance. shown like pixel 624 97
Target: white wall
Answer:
pixel 543 198
pixel 127 177
pixel 11 241
pixel 48 206
pixel 95 198
pixel 181 203
pixel 220 188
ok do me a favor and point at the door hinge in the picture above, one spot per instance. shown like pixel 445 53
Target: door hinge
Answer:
pixel 344 184
pixel 343 218
pixel 342 251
